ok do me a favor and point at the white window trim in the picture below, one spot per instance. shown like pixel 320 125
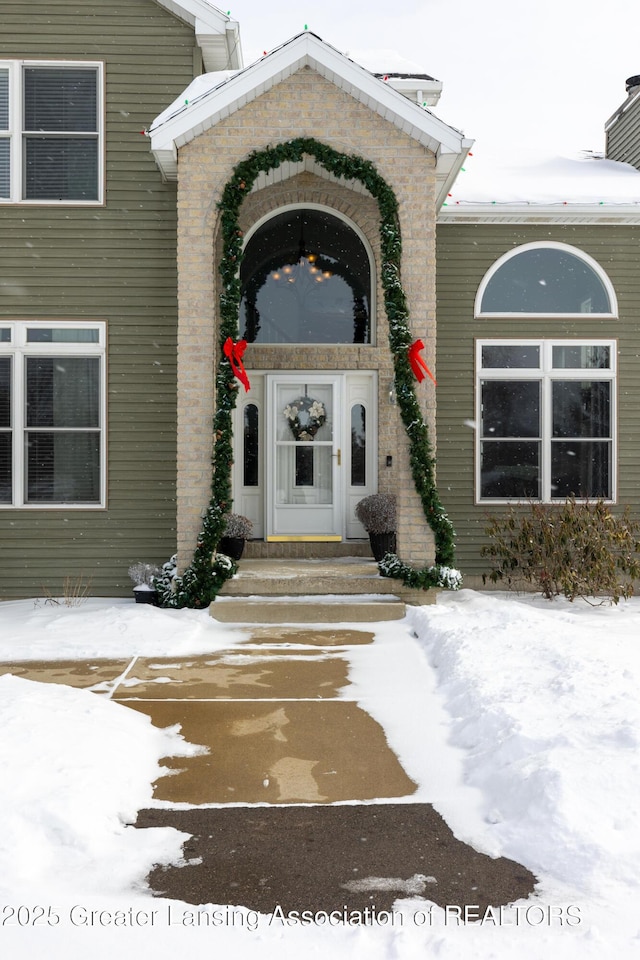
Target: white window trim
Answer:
pixel 16 132
pixel 19 349
pixel 545 245
pixel 546 373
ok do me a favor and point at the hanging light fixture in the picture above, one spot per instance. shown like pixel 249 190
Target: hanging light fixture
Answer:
pixel 305 269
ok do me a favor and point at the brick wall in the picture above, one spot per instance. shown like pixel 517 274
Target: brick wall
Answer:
pixel 305 104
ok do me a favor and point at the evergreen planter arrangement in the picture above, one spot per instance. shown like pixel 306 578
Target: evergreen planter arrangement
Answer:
pixel 377 514
pixel 143 576
pixel 237 531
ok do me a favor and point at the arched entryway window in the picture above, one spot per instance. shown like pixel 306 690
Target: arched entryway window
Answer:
pixel 306 278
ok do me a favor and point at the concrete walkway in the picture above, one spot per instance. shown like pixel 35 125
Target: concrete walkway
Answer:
pixel 276 718
pixel 280 803
pixel 274 714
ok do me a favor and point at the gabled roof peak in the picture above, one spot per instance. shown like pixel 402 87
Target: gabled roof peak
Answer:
pixel 187 118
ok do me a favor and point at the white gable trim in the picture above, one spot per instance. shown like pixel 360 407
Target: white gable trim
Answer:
pixel 191 119
pixel 218 36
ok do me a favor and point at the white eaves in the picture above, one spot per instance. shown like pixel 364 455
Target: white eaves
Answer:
pixel 218 36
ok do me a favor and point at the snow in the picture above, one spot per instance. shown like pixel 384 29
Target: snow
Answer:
pixel 199 88
pixel 65 800
pixel 543 179
pixel 37 630
pixel 518 718
pixel 386 60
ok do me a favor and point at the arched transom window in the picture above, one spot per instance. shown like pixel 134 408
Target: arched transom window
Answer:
pixel 545 279
pixel 306 278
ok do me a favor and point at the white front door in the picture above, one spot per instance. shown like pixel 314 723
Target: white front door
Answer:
pixel 304 457
pixel 300 475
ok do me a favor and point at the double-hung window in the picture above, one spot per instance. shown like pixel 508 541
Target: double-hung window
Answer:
pixel 51 132
pixel 52 437
pixel 545 415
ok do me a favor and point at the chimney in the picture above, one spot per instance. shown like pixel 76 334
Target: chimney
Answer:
pixel 633 85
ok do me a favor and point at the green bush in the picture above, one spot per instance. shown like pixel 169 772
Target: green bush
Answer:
pixel 574 549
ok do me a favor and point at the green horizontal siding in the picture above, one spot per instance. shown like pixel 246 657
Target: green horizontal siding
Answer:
pixel 465 253
pixel 115 263
pixel 623 137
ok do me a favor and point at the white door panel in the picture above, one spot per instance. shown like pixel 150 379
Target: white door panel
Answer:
pixel 297 483
pixel 304 457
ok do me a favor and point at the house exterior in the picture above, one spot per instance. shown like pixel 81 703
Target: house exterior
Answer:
pixel 88 283
pixel 537 346
pixel 239 264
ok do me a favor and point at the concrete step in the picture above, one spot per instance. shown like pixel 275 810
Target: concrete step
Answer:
pixel 304 549
pixel 307 577
pixel 330 590
pixel 311 609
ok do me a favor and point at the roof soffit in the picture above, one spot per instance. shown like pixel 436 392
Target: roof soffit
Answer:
pixel 217 35
pixel 448 145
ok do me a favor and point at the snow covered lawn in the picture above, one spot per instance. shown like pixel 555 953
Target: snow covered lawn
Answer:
pixel 519 718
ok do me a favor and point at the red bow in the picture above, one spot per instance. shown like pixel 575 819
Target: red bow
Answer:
pixel 234 352
pixel 418 365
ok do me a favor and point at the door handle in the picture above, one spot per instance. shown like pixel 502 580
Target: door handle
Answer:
pixel 339 456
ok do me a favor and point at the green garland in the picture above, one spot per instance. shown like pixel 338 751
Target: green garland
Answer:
pixel 197 587
pixel 437 576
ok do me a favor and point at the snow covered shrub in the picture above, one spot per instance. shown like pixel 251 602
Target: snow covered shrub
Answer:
pixel 574 549
pixel 143 574
pixel 447 578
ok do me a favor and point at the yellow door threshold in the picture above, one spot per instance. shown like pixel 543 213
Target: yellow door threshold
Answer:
pixel 310 538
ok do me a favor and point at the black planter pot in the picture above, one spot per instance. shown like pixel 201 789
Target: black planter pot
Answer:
pixel 147 596
pixel 232 546
pixel 382 543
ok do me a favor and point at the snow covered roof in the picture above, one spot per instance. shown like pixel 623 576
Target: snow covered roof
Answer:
pixel 403 75
pixel 420 88
pixel 218 36
pixel 579 189
pixel 210 99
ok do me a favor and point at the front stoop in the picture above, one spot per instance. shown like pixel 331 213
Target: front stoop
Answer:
pixel 332 590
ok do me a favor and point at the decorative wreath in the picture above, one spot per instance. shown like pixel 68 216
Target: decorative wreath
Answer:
pixel 305 417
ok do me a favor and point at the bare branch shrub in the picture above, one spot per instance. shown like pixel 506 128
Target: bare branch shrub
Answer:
pixel 574 549
pixel 75 591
